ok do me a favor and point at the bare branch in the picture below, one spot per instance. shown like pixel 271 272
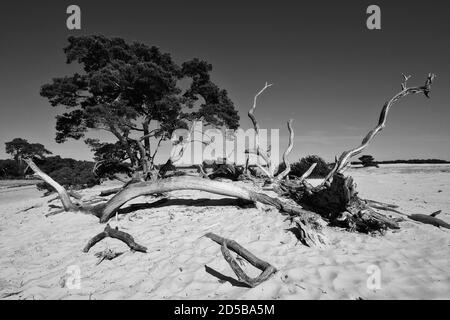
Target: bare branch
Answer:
pixel 287 169
pixel 308 172
pixel 347 155
pixel 252 117
pixel 62 192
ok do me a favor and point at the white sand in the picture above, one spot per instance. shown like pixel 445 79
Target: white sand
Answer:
pixel 36 251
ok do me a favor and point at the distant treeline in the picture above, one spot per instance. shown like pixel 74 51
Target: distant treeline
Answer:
pixel 412 161
pixel 66 171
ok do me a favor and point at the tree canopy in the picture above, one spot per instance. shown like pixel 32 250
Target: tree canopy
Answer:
pixel 21 148
pixel 135 92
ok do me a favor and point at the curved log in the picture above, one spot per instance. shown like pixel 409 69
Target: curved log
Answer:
pixel 193 183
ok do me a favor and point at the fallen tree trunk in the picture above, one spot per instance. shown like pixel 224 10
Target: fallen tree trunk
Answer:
pixel 106 211
pixel 194 183
pixel 267 269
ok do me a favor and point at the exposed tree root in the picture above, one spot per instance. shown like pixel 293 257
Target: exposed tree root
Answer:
pixel 302 230
pixel 267 269
pixel 340 205
pixel 116 234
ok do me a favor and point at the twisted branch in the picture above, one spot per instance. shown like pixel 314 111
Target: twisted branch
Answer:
pixel 347 155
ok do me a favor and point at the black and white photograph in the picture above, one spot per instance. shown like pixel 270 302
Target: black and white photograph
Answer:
pixel 246 151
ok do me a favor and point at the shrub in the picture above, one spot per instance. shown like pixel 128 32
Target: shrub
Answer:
pixel 68 172
pixel 320 171
pixel 10 169
pixel 368 161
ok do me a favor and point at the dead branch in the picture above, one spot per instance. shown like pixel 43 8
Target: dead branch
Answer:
pixel 258 151
pixel 392 206
pixel 287 169
pixel 63 194
pixel 34 206
pixel 308 172
pixel 54 212
pixel 302 230
pixel 267 269
pixel 270 171
pixel 429 219
pixel 107 254
pixel 116 234
pixel 347 155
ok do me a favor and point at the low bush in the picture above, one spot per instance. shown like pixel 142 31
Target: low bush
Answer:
pixel 320 171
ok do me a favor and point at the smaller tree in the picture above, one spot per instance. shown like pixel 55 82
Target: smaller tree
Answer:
pixel 20 148
pixel 368 161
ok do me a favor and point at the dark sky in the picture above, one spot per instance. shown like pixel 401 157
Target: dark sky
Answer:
pixel 330 73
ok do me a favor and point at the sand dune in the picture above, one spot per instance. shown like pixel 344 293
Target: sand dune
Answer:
pixel 36 252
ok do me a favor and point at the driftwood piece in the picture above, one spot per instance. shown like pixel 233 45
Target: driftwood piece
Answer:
pixel 107 254
pixel 430 219
pixel 302 230
pixel 267 269
pixel 34 206
pixel 259 152
pixel 116 234
pixel 52 213
pixel 285 172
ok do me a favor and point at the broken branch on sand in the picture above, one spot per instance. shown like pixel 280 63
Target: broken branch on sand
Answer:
pixel 116 234
pixel 267 269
